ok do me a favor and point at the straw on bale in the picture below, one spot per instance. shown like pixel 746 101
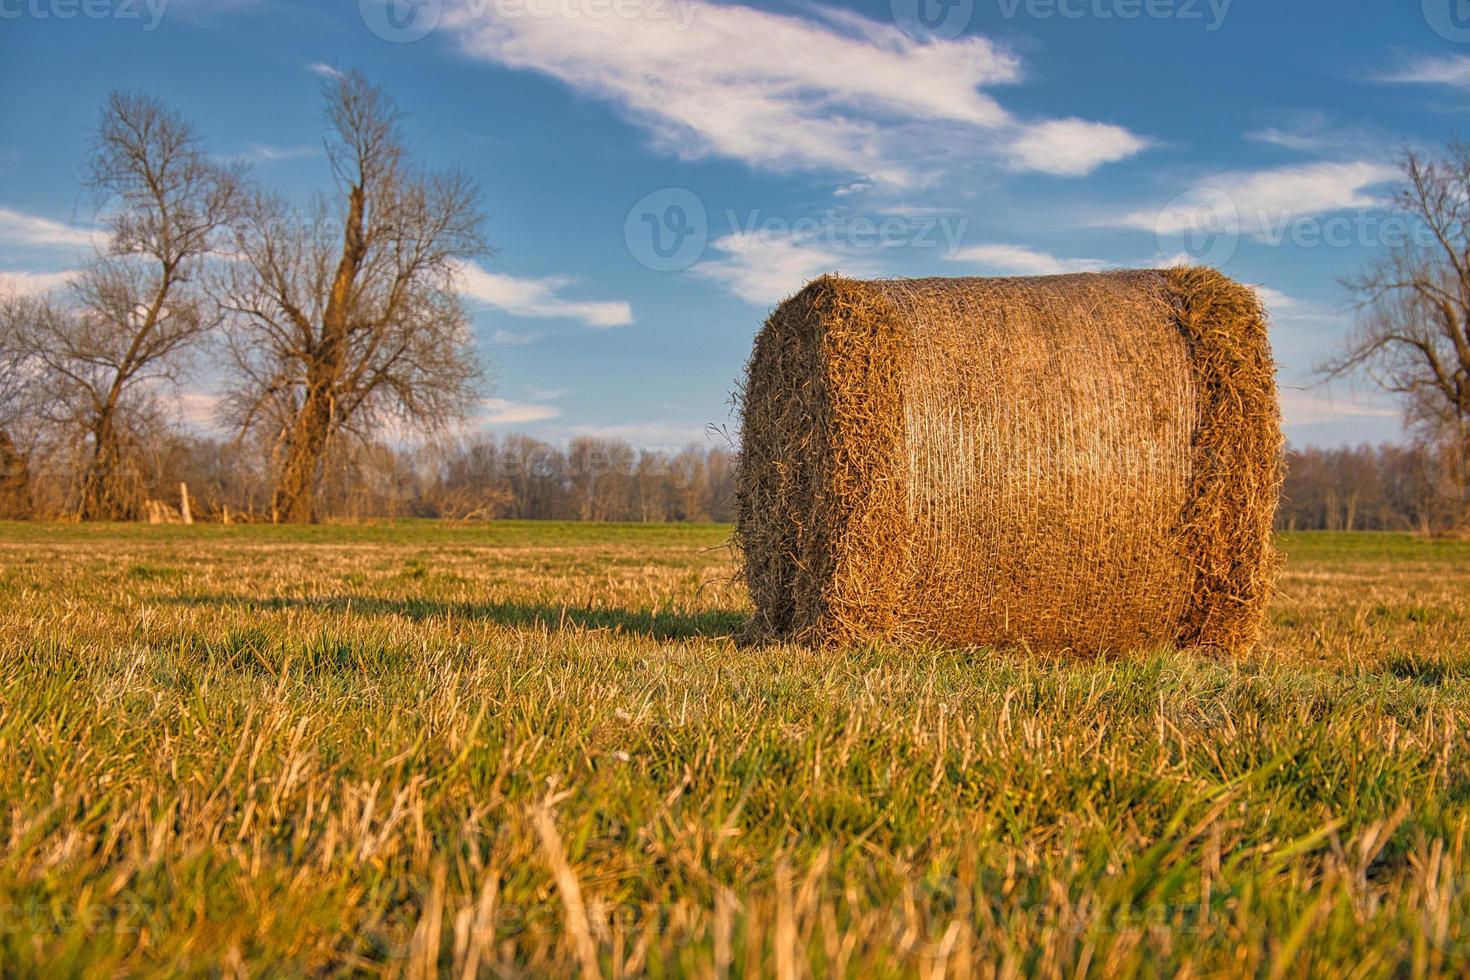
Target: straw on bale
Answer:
pixel 1085 462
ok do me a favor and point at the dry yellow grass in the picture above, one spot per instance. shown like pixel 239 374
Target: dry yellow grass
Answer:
pixel 513 750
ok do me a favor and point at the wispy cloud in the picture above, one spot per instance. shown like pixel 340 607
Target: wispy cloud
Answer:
pixel 668 434
pixel 1300 407
pixel 1262 200
pixel 198 409
pixel 1450 69
pixel 538 298
pixel 33 283
pixel 20 229
pixel 325 70
pixel 514 338
pixel 501 411
pixel 1313 132
pixel 1023 261
pixel 831 92
pixel 265 153
pixel 763 268
pixel 1275 300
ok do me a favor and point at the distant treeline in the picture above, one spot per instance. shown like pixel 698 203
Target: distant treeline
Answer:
pixel 479 478
pixel 1373 488
pixel 1368 488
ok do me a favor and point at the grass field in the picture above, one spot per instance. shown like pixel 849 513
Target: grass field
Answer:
pixel 516 749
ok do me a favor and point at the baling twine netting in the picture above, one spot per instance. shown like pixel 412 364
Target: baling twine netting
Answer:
pixel 1086 462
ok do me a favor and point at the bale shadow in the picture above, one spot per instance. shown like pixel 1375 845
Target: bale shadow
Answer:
pixel 654 624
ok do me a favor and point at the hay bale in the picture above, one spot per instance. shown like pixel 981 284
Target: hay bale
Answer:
pixel 1085 462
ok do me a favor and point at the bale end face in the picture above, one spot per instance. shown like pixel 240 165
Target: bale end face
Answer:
pixel 1237 460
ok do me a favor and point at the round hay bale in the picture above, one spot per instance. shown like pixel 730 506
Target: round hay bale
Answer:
pixel 1084 462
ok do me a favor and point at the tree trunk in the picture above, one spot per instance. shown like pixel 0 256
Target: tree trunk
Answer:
pixel 104 494
pixel 294 499
pixel 298 480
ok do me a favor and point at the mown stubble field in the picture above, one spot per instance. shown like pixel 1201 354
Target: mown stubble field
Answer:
pixel 518 749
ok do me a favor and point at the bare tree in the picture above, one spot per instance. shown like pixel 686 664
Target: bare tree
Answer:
pixel 1413 336
pixel 345 315
pixel 93 354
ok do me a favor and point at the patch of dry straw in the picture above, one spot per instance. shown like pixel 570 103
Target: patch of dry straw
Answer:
pixel 1083 462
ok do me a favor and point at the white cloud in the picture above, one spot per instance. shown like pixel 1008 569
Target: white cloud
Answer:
pixel 1275 300
pixel 658 435
pixel 1259 203
pixel 1450 69
pixel 763 268
pixel 512 338
pixel 1023 261
pixel 198 409
pixel 1299 407
pixel 1285 138
pixel 20 229
pixel 1307 132
pixel 1179 260
pixel 1286 307
pixel 33 283
pixel 1073 147
pixel 265 153
pixel 833 92
pixel 1315 133
pixel 501 411
pixel 324 70
pixel 538 298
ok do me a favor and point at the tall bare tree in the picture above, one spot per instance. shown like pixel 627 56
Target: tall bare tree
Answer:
pixel 1413 335
pixel 346 316
pixel 92 354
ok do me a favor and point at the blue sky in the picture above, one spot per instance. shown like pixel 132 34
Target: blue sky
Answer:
pixel 658 173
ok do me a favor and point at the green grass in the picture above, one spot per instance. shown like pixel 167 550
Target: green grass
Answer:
pixel 516 748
